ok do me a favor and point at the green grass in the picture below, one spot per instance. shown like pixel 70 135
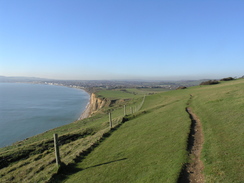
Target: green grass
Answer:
pixel 146 91
pixel 95 122
pixel 116 94
pixel 221 111
pixel 150 147
pixel 40 147
pixel 144 149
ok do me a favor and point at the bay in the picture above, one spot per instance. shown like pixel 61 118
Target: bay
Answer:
pixel 29 109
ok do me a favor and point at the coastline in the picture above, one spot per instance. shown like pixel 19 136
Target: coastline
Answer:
pixel 88 110
pixel 86 113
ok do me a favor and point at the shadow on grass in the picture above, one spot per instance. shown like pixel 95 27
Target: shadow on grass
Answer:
pixel 66 170
pixel 105 163
pixel 184 174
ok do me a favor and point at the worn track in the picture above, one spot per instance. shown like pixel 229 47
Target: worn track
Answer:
pixel 192 172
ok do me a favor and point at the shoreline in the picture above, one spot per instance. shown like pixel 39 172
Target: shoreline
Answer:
pixel 86 113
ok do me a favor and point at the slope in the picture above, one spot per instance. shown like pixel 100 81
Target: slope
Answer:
pixel 149 148
pixel 150 143
pixel 152 147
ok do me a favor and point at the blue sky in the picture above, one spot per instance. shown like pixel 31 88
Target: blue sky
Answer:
pixel 122 39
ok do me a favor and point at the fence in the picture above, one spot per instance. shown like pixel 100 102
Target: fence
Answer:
pixel 112 123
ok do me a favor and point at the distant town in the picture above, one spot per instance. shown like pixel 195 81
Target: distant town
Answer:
pixel 104 84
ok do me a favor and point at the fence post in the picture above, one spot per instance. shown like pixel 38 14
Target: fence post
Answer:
pixel 56 147
pixel 110 121
pixel 124 110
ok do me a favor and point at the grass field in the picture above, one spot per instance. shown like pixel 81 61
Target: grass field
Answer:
pixel 221 111
pixel 116 94
pixel 150 146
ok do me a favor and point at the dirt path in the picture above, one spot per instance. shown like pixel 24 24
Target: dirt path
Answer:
pixel 195 167
pixel 192 171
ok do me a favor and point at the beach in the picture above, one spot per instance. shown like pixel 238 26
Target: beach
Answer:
pixel 86 113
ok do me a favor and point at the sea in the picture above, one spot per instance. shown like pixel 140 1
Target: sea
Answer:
pixel 29 109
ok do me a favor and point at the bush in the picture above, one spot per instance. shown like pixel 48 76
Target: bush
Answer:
pixel 181 87
pixel 227 79
pixel 210 82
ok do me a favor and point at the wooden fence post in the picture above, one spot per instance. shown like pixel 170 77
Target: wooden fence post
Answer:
pixel 110 121
pixel 56 147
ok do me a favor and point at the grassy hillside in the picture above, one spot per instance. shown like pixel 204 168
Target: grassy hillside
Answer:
pixel 221 111
pixel 152 147
pixel 33 159
pixel 149 148
pixel 149 145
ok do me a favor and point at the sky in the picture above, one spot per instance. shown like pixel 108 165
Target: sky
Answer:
pixel 122 39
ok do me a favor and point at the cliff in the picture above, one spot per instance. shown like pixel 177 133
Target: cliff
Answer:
pixel 96 103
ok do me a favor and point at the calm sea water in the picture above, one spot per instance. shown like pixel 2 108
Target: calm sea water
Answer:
pixel 30 109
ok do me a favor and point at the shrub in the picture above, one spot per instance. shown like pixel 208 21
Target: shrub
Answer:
pixel 227 79
pixel 210 82
pixel 181 87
